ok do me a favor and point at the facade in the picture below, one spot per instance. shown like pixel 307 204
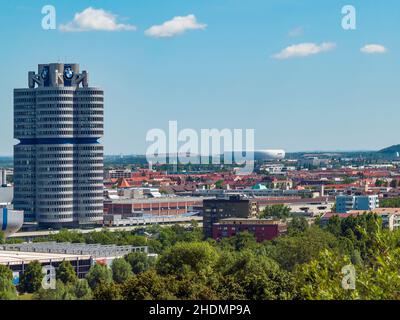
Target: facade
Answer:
pixel 58 163
pixel 6 195
pixel 3 177
pixel 10 220
pixel 262 229
pixel 118 174
pixel 155 206
pixel 234 207
pixel 347 203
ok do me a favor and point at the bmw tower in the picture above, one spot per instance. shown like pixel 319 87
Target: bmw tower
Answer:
pixel 58 163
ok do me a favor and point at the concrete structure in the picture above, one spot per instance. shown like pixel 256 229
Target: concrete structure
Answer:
pixel 300 206
pixel 81 256
pixel 18 261
pixel 262 229
pixel 10 220
pixel 154 206
pixel 346 203
pixel 6 195
pixel 58 164
pixel 3 177
pixel 233 207
pixel 116 220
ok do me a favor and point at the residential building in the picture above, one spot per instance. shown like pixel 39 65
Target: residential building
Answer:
pixel 262 229
pixel 232 207
pixel 345 203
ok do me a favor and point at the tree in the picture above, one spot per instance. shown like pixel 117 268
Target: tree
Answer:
pixel 256 277
pixel 82 290
pixel 291 251
pixel 198 257
pixel 78 290
pixel 321 278
pixel 277 211
pixel 107 292
pixel 98 274
pixel 2 237
pixel 297 225
pixel 334 225
pixel 121 270
pixel 31 279
pixel 219 184
pixel 139 262
pixel 147 286
pixel 379 183
pixel 390 203
pixel 61 292
pixel 394 183
pixel 240 241
pixel 66 272
pixel 7 289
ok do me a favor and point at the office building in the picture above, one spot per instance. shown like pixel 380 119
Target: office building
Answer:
pixel 168 206
pixel 58 163
pixel 346 203
pixel 233 207
pixel 262 229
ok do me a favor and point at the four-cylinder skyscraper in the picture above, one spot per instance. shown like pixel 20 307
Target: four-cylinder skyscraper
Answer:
pixel 58 163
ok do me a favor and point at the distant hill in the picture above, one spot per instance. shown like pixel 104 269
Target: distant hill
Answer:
pixel 391 150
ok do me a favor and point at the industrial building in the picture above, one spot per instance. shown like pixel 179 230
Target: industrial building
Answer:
pixel 167 206
pixel 58 162
pixel 81 256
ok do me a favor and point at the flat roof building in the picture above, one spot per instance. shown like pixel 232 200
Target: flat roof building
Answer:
pixel 233 207
pixel 262 229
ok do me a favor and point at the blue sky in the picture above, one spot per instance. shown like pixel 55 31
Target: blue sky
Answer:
pixel 223 75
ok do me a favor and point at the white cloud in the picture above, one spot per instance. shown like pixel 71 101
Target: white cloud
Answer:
pixel 92 19
pixel 373 48
pixel 296 32
pixel 174 27
pixel 304 50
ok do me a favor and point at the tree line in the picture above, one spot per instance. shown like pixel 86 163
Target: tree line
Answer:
pixel 307 263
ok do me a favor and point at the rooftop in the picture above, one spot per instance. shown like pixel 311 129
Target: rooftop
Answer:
pixel 15 257
pixel 70 249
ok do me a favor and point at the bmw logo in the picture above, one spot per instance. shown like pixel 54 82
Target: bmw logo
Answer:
pixel 45 73
pixel 68 73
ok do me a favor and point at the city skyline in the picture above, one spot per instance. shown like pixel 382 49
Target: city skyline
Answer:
pixel 298 78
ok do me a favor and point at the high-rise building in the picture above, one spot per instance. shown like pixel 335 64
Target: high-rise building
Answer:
pixel 58 163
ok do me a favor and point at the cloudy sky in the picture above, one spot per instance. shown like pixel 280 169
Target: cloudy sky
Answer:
pixel 284 68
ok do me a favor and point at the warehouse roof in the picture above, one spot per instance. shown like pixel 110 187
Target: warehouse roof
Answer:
pixel 16 257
